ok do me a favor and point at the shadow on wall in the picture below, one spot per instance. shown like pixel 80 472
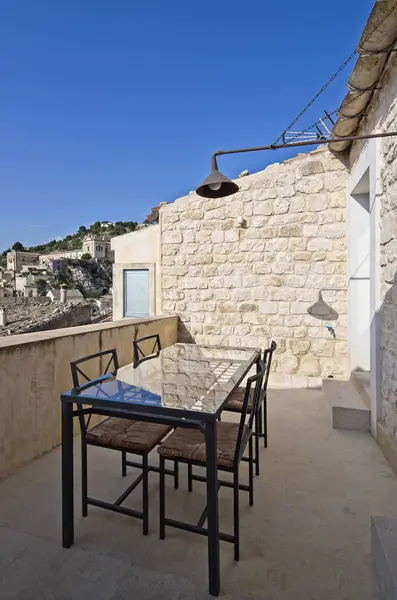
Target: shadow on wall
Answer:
pixel 322 310
pixel 385 330
pixel 184 335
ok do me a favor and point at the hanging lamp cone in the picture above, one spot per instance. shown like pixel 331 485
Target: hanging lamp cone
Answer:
pixel 216 185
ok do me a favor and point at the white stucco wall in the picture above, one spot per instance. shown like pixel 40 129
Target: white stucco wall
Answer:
pixel 138 249
pixel 379 158
pixel 30 404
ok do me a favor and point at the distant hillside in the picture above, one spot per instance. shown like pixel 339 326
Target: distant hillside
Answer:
pixel 103 229
pixel 90 278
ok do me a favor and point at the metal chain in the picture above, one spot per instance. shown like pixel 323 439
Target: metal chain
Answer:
pixel 331 79
pixel 312 101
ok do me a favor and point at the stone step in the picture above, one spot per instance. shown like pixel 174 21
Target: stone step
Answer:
pixel 347 406
pixel 362 382
pixel 384 551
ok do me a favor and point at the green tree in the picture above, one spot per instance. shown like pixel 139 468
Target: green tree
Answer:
pixel 96 227
pixel 86 256
pixel 64 276
pixel 131 225
pixel 41 287
pixel 18 246
pixel 82 230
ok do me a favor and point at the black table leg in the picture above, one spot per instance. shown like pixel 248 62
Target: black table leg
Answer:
pixel 212 506
pixel 67 476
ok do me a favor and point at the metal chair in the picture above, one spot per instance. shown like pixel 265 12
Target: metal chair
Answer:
pixel 144 350
pixel 122 434
pixel 235 404
pixel 140 353
pixel 188 446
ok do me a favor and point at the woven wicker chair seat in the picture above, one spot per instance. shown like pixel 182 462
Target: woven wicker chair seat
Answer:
pixel 236 400
pixel 189 444
pixel 137 437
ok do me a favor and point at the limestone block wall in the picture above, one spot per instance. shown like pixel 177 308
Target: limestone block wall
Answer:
pixel 388 258
pixel 387 111
pixel 243 286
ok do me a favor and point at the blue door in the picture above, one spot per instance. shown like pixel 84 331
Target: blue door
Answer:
pixel 136 293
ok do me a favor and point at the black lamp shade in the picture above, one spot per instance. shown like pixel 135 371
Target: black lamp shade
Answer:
pixel 217 185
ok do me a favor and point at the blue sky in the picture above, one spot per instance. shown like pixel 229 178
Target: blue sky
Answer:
pixel 107 108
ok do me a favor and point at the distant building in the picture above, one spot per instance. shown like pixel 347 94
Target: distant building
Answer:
pixel 24 261
pixel 30 291
pixel 6 276
pixel 26 284
pixel 5 291
pixel 98 249
pixel 15 259
pixel 56 264
pixel 34 269
pixel 62 255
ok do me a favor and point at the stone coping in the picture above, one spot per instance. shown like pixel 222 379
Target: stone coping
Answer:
pixel 42 336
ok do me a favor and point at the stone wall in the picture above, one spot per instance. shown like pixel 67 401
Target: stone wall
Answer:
pixel 243 286
pixel 388 258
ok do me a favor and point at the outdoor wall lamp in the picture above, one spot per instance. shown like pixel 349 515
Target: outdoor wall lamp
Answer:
pixel 217 185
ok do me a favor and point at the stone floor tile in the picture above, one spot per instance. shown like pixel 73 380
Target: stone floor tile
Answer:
pixel 13 544
pixel 308 535
pixel 150 584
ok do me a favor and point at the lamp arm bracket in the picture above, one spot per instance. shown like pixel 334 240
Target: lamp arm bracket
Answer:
pixel 350 138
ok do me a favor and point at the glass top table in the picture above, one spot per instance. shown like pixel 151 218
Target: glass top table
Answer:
pixel 186 385
pixel 184 378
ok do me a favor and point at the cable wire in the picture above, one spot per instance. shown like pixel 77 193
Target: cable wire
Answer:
pixel 333 77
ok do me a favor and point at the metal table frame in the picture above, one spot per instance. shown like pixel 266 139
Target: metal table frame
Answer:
pixel 175 417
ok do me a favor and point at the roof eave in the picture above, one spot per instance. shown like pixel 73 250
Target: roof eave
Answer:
pixel 374 51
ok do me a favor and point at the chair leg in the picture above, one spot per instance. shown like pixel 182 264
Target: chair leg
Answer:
pixel 251 472
pixel 257 434
pixel 145 494
pixel 265 422
pixel 84 476
pixel 123 463
pixel 260 421
pixel 176 474
pixel 236 526
pixel 189 477
pixel 162 498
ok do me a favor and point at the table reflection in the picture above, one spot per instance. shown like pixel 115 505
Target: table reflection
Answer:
pixel 186 376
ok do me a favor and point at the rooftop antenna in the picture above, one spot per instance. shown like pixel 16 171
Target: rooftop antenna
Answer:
pixel 321 130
